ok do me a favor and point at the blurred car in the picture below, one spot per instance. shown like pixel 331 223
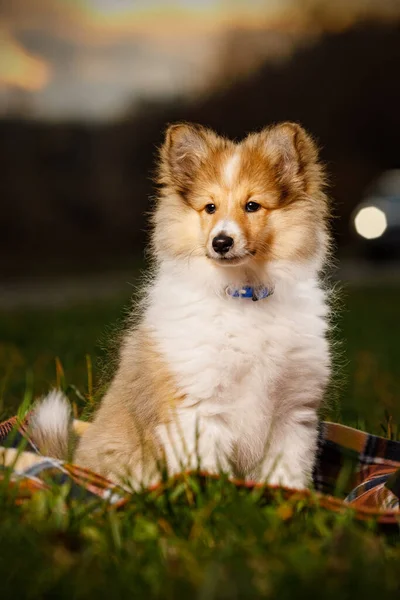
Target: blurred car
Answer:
pixel 376 220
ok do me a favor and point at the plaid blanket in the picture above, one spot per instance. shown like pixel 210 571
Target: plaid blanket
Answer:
pixel 353 469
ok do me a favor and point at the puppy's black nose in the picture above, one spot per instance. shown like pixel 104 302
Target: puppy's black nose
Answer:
pixel 222 243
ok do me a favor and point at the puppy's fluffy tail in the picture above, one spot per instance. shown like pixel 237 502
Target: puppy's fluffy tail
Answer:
pixel 50 425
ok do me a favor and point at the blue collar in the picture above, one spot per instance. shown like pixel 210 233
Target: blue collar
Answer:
pixel 247 291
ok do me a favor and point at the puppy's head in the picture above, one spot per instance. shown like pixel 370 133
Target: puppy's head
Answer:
pixel 241 203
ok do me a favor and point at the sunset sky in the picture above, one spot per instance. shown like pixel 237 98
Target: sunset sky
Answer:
pixel 94 58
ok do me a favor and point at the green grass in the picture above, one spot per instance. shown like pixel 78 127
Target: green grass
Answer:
pixel 211 541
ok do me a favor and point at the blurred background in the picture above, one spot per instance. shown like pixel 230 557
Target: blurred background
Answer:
pixel 86 90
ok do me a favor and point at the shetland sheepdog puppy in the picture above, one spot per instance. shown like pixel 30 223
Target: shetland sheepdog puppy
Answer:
pixel 227 364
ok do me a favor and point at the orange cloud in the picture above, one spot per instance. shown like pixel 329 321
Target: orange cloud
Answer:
pixel 103 22
pixel 18 68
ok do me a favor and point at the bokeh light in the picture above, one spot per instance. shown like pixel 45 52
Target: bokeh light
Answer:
pixel 370 222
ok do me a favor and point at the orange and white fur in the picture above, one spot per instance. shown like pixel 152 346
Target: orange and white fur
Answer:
pixel 205 377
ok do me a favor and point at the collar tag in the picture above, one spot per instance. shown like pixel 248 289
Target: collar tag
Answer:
pixel 249 292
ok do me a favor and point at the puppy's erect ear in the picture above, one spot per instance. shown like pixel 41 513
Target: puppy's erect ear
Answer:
pixel 293 155
pixel 182 154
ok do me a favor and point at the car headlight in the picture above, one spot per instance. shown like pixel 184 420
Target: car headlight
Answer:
pixel 370 222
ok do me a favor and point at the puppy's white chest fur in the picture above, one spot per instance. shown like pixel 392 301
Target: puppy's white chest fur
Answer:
pixel 219 347
pixel 233 359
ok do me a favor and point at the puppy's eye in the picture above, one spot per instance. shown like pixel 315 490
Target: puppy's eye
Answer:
pixel 252 207
pixel 210 208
